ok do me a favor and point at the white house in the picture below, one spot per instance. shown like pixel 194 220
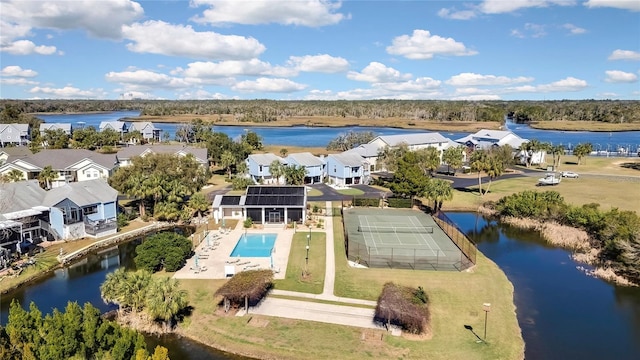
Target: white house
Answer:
pixel 148 130
pixel 313 166
pixel 258 165
pixel 14 134
pixel 126 154
pixel 413 142
pixel 485 139
pixel 347 169
pixel 66 127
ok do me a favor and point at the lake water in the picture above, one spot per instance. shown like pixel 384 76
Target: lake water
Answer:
pixel 321 136
pixel 563 313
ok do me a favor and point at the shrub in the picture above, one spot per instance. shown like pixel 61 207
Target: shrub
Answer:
pixel 241 183
pixel 404 307
pixel 166 250
pixel 248 223
pixel 123 220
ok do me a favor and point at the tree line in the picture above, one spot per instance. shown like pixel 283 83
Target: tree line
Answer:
pixel 259 111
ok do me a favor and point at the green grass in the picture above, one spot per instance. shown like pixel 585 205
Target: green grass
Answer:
pixel 314 192
pixel 313 281
pixel 351 191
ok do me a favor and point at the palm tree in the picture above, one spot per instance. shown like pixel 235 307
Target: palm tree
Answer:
pixel 294 175
pixel 198 203
pixel 439 190
pixel 164 300
pixel 112 289
pixel 227 159
pixel 15 175
pixel 478 163
pixel 126 289
pixel 494 168
pixel 242 168
pixel 556 152
pixel 46 176
pixel 429 159
pixel 453 156
pixel 284 152
pixel 582 150
pixel 276 169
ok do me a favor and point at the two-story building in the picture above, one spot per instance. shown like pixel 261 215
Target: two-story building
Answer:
pixel 125 155
pixel 259 164
pixel 486 139
pixel 347 169
pixel 66 127
pixel 148 130
pixel 314 166
pixel 15 134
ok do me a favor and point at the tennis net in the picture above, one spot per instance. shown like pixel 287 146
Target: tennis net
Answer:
pixel 396 229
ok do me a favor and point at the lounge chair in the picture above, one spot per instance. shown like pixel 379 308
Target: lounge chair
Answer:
pixel 233 261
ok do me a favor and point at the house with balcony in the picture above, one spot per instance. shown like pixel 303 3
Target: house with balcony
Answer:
pixel 347 169
pixel 69 212
pixel 258 165
pixel 313 166
pixel 125 155
pixel 15 135
pixel 486 139
pixel 71 165
pixel 413 142
pixel 369 152
pixel 148 130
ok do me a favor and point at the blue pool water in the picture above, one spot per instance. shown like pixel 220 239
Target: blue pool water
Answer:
pixel 254 245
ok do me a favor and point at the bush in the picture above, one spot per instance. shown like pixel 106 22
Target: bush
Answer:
pixel 166 250
pixel 404 307
pixel 248 223
pixel 123 220
pixel 241 183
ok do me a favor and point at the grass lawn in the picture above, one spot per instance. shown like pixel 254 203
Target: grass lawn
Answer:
pixel 314 192
pixel 300 276
pixel 351 191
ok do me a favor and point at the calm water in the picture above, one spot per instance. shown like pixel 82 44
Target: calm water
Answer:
pixel 320 136
pixel 81 283
pixel 563 313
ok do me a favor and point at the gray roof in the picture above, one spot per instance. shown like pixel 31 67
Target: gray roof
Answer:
pixel 23 194
pixel 305 159
pixel 348 159
pixel 265 159
pixel 82 193
pixel 20 127
pixel 485 138
pixel 414 139
pixel 365 150
pixel 55 126
pixel 137 150
pixel 16 152
pixel 60 159
pixel 115 125
pixel 139 126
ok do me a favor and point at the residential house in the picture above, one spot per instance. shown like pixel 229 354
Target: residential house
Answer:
pixel 71 165
pixel 69 212
pixel 370 153
pixel 118 126
pixel 314 166
pixel 347 169
pixel 14 152
pixel 413 142
pixel 125 155
pixel 14 134
pixel 66 127
pixel 148 130
pixel 486 139
pixel 259 164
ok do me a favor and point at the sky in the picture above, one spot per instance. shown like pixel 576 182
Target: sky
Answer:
pixel 320 49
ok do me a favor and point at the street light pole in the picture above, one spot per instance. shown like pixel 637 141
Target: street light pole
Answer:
pixel 307 258
pixel 486 307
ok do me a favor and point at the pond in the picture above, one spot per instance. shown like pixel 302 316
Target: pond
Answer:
pixel 563 313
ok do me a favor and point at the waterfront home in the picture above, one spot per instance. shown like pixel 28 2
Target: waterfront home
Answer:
pixel 413 142
pixel 313 166
pixel 15 134
pixel 126 154
pixel 347 169
pixel 70 165
pixel 275 205
pixel 118 126
pixel 69 212
pixel 148 130
pixel 66 127
pixel 258 165
pixel 486 139
pixel 369 152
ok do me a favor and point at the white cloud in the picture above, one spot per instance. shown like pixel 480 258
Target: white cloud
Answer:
pixel 68 92
pixel 455 14
pixel 607 95
pixel 204 95
pixel 567 84
pixel 530 30
pixel 141 79
pixel 17 81
pixel 376 72
pixel 312 13
pixel 158 37
pixel 633 5
pixel 27 47
pixel 476 97
pixel 472 79
pixel 102 19
pixel 503 6
pixel 418 85
pixel 574 30
pixel 322 63
pixel 624 55
pixel 268 85
pixel 617 76
pixel 422 45
pixel 14 70
pixel 207 69
pixel 11 31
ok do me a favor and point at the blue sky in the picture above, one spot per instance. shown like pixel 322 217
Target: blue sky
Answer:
pixel 320 49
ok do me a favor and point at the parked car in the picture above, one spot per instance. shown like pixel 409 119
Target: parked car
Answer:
pixel 569 174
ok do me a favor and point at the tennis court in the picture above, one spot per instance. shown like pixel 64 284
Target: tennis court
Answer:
pixel 398 238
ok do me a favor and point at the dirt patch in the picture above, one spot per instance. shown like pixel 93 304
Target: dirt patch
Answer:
pixel 256 322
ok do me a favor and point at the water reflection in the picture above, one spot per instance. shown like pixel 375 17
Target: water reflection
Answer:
pixel 563 313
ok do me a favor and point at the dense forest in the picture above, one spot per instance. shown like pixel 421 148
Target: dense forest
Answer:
pixel 610 111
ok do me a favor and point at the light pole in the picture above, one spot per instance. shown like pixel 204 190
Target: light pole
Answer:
pixel 307 258
pixel 308 239
pixel 486 307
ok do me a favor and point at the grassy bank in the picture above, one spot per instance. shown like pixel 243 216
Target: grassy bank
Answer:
pixel 330 121
pixel 584 126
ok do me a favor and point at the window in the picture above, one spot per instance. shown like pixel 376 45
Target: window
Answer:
pixel 260 168
pixel 90 209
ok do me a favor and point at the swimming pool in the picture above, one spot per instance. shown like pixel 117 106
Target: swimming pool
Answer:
pixel 254 245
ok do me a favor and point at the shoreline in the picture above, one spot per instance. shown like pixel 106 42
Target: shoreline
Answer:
pixel 577 126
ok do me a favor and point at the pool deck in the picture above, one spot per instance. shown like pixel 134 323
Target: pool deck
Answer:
pixel 214 262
